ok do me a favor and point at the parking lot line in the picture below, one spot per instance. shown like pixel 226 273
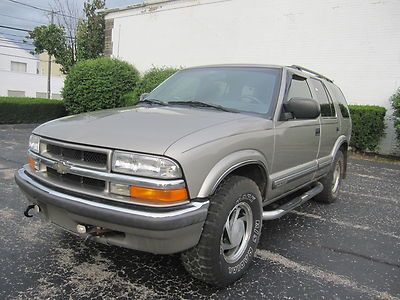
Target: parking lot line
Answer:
pixel 344 223
pixel 320 274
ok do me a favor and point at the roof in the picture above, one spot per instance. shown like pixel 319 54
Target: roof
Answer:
pixel 145 3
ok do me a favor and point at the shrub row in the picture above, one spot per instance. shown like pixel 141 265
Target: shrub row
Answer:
pixel 395 100
pixel 368 126
pixel 103 83
pixel 150 80
pixel 29 110
pixel 99 83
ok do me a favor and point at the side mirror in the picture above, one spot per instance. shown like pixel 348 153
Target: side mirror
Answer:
pixel 303 108
pixel 143 96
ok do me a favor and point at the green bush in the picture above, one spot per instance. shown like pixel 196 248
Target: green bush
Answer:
pixel 395 100
pixel 150 80
pixel 98 84
pixel 29 110
pixel 368 126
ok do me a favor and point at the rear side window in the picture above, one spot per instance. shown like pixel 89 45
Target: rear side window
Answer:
pixel 299 88
pixel 339 97
pixel 327 108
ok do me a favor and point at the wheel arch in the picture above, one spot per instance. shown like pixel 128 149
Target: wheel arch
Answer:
pixel 342 144
pixel 247 163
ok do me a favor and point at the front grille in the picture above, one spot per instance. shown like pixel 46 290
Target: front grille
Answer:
pixel 76 180
pixel 96 158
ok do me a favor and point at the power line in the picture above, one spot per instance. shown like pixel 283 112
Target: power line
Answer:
pixel 15 41
pixel 15 28
pixel 23 19
pixel 43 9
pixel 19 56
pixel 29 5
pixel 5 54
pixel 10 34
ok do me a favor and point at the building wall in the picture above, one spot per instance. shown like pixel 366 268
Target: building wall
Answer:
pixel 11 52
pixel 43 65
pixel 30 83
pixel 354 42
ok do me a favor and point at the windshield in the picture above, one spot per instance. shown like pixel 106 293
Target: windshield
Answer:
pixel 245 89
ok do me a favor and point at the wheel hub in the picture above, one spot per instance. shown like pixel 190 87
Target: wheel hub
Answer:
pixel 336 177
pixel 236 232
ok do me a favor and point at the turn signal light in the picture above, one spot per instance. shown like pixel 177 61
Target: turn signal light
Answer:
pixel 158 195
pixel 32 163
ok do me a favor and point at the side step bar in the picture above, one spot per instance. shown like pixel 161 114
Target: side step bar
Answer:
pixel 292 204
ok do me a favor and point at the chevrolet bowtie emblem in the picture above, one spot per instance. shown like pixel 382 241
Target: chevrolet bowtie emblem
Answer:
pixel 61 167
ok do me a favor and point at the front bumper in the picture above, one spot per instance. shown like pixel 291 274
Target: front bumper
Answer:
pixel 155 230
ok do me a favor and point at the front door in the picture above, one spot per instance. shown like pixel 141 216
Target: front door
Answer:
pixel 296 145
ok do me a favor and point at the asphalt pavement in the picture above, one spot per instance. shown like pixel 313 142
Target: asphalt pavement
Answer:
pixel 346 250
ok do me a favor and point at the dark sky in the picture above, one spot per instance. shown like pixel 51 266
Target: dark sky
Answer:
pixel 17 15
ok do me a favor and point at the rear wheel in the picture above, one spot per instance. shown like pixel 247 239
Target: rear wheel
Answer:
pixel 230 234
pixel 332 181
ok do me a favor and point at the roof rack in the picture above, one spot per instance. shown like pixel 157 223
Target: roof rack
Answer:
pixel 310 71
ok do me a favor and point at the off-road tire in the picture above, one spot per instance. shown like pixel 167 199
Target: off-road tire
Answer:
pixel 328 195
pixel 206 261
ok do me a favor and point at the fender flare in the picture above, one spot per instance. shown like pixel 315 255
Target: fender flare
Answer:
pixel 339 142
pixel 227 165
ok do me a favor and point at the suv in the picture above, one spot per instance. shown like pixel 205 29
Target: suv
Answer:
pixel 196 165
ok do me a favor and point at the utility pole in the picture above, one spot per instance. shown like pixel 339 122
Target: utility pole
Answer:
pixel 49 64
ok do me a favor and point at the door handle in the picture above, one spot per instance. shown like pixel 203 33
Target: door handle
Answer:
pixel 317 131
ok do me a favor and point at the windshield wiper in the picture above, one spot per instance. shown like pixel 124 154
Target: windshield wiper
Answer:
pixel 202 104
pixel 153 101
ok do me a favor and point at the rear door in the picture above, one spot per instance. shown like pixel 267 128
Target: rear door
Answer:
pixel 296 144
pixel 329 122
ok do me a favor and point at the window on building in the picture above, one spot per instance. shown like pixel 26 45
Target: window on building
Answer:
pixel 17 66
pixel 13 93
pixel 327 108
pixel 299 88
pixel 41 95
pixel 56 96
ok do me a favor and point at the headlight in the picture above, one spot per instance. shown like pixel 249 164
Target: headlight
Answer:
pixel 34 141
pixel 145 165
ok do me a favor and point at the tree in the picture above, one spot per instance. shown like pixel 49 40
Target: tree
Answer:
pixel 74 38
pixel 90 32
pixel 52 38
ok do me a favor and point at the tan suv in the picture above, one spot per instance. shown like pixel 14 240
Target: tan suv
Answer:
pixel 195 166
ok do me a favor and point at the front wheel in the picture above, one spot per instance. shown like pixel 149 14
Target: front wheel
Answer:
pixel 230 234
pixel 332 181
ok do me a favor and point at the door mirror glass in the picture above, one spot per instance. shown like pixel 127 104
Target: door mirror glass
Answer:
pixel 303 108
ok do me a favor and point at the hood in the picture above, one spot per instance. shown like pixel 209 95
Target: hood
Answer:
pixel 140 129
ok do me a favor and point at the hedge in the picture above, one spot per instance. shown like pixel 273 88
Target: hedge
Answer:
pixel 150 80
pixel 29 110
pixel 395 100
pixel 98 84
pixel 368 126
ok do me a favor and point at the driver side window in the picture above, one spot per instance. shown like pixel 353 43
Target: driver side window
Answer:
pixel 299 88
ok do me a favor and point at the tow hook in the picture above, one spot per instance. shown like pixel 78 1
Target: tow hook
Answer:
pixel 29 207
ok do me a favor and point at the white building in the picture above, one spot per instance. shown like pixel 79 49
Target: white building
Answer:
pixel 20 76
pixel 354 42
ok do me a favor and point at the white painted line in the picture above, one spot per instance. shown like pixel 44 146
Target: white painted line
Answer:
pixel 373 167
pixel 320 274
pixel 394 200
pixel 344 223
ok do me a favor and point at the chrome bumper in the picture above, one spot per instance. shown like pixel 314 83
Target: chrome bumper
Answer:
pixel 156 230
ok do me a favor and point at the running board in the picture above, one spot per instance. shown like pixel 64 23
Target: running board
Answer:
pixel 292 204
